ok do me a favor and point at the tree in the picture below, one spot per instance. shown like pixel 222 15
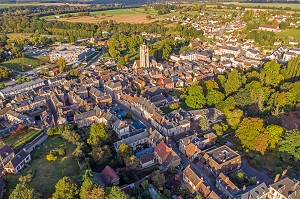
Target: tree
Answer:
pixel 233 82
pixel 271 74
pixel 174 106
pixel 97 193
pixel 194 97
pixel 98 134
pixel 65 189
pixel 291 72
pixel 115 193
pixel 74 73
pixel 101 154
pixel 243 97
pixel 23 191
pixel 62 64
pixel 203 123
pixel 261 142
pixel 198 197
pixel 2 85
pixel 4 72
pixel 290 144
pixel 278 100
pixel 89 189
pixel 213 97
pixel 131 162
pixel 218 129
pixel 125 150
pixel 275 132
pixel 248 131
pixel 158 179
pixel 283 25
pixel 233 117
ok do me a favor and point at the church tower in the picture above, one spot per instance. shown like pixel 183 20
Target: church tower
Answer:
pixel 144 56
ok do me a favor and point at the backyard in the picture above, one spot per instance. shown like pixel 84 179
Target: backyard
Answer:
pixel 20 139
pixel 25 63
pixel 47 173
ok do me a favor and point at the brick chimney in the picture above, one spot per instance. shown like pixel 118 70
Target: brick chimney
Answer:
pixel 284 173
pixel 276 178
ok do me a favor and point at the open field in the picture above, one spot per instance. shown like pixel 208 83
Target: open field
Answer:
pixel 271 5
pixel 99 13
pixel 47 173
pixel 25 63
pixel 295 33
pixel 19 140
pixel 127 18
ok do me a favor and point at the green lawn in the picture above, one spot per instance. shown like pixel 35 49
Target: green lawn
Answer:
pixel 25 63
pixel 114 12
pixel 19 140
pixel 47 173
pixel 295 33
pixel 99 13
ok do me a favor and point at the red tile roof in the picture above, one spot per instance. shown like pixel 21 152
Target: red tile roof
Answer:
pixel 108 174
pixel 162 150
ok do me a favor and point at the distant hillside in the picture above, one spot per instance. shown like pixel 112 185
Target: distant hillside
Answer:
pixel 128 2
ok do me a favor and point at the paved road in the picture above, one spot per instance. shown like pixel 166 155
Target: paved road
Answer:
pixel 252 172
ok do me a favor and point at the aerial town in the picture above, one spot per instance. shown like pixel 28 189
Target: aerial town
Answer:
pixel 181 101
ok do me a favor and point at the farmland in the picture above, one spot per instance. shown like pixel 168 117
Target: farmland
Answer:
pixel 119 15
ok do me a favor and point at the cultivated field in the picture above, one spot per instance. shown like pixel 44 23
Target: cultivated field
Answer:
pixel 119 15
pixel 133 18
pixel 271 5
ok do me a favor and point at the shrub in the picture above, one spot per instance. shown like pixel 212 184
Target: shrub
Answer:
pixel 51 157
pixel 61 151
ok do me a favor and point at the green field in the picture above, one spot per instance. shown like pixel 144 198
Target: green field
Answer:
pixel 19 140
pixel 25 63
pixel 47 173
pixel 295 33
pixel 270 5
pixel 98 13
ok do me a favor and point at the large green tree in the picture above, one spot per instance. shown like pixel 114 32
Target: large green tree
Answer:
pixel 195 97
pixel 66 189
pixel 290 144
pixel 24 191
pixel 292 71
pixel 115 193
pixel 233 83
pixel 248 130
pixel 98 134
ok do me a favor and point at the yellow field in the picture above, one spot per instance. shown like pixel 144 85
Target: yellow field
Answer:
pixel 123 18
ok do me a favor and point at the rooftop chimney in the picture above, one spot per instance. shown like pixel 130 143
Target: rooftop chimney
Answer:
pixel 284 173
pixel 244 188
pixel 277 178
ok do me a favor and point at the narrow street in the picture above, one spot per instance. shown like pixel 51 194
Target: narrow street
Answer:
pixel 184 160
